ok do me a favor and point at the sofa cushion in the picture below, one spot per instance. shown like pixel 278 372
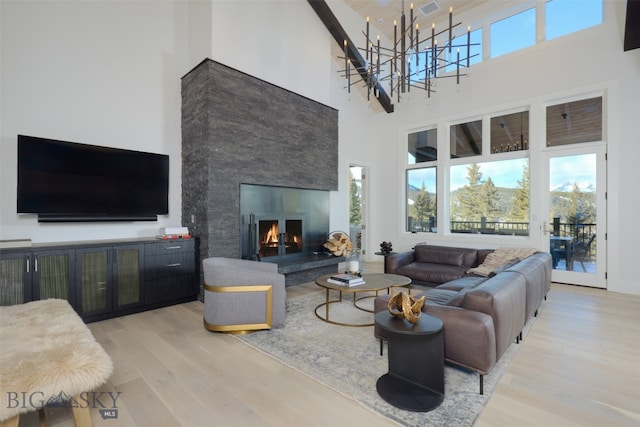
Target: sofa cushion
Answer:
pixel 427 253
pixel 440 296
pixel 465 282
pixel 432 273
pixel 462 286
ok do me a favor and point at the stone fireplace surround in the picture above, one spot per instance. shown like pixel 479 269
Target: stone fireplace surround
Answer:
pixel 238 129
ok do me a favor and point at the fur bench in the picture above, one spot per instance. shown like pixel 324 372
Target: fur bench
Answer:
pixel 47 355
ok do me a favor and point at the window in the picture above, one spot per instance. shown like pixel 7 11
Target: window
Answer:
pixel 421 210
pixel 510 132
pixel 422 146
pixel 568 16
pixel 421 200
pixel 490 197
pixel 574 122
pixel 513 33
pixel 466 139
pixel 471 40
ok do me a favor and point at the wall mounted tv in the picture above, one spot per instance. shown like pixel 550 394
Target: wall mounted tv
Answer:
pixel 70 182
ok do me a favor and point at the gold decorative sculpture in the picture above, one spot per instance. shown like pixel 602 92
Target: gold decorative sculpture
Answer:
pixel 405 306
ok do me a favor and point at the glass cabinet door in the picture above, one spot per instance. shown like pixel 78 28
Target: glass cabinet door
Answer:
pixel 53 275
pixel 127 275
pixel 15 278
pixel 94 271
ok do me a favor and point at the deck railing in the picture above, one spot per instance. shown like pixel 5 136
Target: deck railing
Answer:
pixel 579 232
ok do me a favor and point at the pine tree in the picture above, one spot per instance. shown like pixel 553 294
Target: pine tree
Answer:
pixel 470 195
pixel 355 204
pixel 423 205
pixel 519 211
pixel 489 197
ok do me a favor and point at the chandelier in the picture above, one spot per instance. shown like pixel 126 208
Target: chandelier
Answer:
pixel 411 61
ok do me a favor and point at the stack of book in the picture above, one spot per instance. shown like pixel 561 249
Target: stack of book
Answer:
pixel 171 233
pixel 345 279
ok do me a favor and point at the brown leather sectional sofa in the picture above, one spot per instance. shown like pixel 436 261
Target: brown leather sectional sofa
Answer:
pixel 482 316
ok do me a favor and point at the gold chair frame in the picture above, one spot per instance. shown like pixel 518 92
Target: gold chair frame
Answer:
pixel 245 327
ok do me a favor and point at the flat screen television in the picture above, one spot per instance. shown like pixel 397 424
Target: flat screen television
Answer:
pixel 69 182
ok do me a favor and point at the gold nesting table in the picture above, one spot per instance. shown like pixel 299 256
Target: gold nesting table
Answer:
pixel 374 283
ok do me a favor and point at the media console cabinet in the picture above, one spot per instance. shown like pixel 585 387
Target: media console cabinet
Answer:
pixel 102 279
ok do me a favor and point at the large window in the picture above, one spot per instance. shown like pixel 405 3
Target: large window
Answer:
pixel 490 197
pixel 485 175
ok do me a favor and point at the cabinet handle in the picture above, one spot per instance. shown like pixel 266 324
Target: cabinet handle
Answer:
pixel 174 265
pixel 35 263
pixel 28 263
pixel 173 247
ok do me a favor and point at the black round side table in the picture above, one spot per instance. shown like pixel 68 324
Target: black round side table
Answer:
pixel 415 381
pixel 385 255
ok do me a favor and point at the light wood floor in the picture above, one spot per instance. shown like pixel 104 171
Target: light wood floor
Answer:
pixel 579 366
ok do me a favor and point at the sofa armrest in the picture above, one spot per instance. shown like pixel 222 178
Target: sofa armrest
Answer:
pixel 395 261
pixel 503 297
pixel 469 337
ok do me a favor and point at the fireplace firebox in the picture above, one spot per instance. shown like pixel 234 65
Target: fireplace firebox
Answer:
pixel 276 235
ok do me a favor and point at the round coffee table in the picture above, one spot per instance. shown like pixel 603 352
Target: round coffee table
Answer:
pixel 373 283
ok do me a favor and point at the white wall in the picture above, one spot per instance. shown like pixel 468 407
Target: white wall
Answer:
pixel 99 72
pixel 107 72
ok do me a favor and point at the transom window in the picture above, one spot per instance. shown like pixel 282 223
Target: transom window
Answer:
pixel 574 122
pixel 513 33
pixel 568 16
pixel 466 139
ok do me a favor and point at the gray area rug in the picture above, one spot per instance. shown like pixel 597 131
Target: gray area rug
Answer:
pixel 348 360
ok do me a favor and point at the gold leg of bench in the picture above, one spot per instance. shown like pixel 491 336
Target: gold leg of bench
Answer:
pixel 11 422
pixel 82 417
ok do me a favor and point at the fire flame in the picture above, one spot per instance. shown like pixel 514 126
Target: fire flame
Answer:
pixel 272 234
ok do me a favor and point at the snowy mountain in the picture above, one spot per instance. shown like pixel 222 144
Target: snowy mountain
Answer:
pixel 567 187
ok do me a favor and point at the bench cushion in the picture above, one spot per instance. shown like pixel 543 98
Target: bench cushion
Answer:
pixel 47 351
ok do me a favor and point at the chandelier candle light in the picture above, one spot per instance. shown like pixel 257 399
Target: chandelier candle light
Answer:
pixel 411 62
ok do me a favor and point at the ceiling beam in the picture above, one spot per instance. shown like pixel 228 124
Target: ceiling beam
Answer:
pixel 340 35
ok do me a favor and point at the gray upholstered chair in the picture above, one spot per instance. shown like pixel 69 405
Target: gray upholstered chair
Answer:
pixel 242 295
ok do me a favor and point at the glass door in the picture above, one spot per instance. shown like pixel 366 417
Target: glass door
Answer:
pixel 574 215
pixel 357 182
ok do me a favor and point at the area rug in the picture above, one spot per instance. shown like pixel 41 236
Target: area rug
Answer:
pixel 348 360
